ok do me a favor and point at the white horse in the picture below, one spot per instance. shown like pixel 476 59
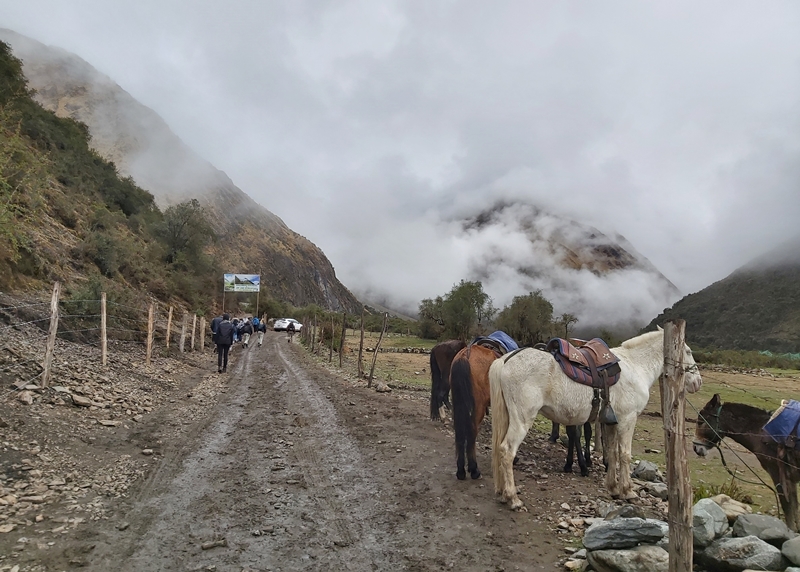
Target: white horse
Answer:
pixel 531 382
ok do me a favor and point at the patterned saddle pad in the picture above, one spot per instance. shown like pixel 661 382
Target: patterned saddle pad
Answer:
pixel 784 425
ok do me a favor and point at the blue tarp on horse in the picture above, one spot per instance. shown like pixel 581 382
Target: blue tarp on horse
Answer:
pixel 504 339
pixel 784 425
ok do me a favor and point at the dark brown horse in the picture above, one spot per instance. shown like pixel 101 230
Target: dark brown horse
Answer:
pixel 744 424
pixel 574 446
pixel 442 356
pixel 469 381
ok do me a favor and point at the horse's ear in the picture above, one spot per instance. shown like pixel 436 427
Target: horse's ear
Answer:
pixel 660 329
pixel 716 401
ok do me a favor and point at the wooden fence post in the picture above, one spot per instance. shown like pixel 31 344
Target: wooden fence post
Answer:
pixel 169 326
pixel 377 347
pixel 314 333
pixel 103 330
pixel 51 337
pixel 150 325
pixel 202 333
pixel 194 327
pixel 184 325
pixel 330 350
pixel 341 339
pixel 361 347
pixel 673 404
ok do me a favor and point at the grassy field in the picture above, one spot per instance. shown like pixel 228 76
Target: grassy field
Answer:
pixel 765 391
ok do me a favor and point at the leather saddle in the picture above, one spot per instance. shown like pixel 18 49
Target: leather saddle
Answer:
pixel 591 363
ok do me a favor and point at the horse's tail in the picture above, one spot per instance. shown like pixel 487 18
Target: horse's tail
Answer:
pixel 499 416
pixel 439 389
pixel 463 401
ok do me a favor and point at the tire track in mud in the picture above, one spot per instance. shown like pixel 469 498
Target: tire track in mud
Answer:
pixel 334 468
pixel 165 521
pixel 275 474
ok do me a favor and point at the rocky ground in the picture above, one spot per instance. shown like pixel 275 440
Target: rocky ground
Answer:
pixel 281 464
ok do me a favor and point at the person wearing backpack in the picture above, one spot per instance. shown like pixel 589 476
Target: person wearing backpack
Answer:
pixel 262 329
pixel 225 332
pixel 247 330
pixel 214 325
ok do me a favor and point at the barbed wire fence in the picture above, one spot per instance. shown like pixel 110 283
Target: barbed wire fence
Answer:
pixel 50 328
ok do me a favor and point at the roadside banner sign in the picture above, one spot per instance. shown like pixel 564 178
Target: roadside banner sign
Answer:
pixel 241 282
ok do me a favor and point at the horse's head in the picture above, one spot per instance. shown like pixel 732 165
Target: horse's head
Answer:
pixel 707 434
pixel 692 379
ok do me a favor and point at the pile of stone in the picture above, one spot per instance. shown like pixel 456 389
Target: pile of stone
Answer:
pixel 727 537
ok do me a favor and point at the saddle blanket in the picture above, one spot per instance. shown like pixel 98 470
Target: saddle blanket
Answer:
pixel 504 339
pixel 784 425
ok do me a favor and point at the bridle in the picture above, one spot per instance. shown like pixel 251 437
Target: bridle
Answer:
pixel 714 428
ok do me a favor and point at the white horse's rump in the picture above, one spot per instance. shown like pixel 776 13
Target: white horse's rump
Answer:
pixel 532 382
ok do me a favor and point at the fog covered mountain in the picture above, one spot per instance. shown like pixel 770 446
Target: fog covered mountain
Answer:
pixel 142 146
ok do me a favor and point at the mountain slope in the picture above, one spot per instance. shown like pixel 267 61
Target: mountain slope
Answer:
pixel 757 307
pixel 139 142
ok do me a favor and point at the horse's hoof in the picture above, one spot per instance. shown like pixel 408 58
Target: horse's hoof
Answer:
pixel 567 468
pixel 476 474
pixel 461 475
pixel 584 473
pixel 516 460
pixel 630 496
pixel 553 439
pixel 518 506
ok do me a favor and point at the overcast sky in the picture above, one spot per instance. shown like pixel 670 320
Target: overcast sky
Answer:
pixel 367 125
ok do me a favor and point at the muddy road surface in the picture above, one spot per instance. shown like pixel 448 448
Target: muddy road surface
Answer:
pixel 296 468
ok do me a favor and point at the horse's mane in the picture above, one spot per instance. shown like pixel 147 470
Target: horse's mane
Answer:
pixel 641 339
pixel 743 410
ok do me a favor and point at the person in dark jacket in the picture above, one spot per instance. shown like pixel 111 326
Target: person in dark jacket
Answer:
pixel 262 329
pixel 214 325
pixel 290 329
pixel 247 330
pixel 224 342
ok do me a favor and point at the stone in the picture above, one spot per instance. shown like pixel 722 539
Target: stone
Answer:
pixel 658 490
pixel 109 422
pixel 638 559
pixel 791 550
pixel 708 522
pixel 25 397
pixel 381 387
pixel 792 569
pixel 737 554
pixel 623 533
pixel 576 565
pixel 647 471
pixel 767 528
pixel 81 401
pixel 733 509
pixel 147 452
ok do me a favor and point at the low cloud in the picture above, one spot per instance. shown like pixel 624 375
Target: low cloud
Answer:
pixel 375 128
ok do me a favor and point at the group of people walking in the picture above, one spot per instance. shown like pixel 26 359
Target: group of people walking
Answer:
pixel 225 333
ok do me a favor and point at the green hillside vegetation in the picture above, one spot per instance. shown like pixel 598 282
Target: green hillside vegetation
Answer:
pixel 66 214
pixel 752 309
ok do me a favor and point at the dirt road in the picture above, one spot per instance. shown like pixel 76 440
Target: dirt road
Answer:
pixel 299 470
pixel 291 467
